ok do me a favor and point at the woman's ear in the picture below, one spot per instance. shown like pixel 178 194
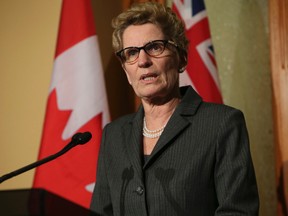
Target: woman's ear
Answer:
pixel 182 63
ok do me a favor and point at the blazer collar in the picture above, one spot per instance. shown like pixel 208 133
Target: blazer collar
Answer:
pixel 178 122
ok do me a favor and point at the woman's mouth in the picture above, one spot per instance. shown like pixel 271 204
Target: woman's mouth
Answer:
pixel 149 77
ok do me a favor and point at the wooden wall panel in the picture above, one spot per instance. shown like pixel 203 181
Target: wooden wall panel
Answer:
pixel 279 70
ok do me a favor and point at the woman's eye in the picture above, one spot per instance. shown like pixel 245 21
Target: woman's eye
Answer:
pixel 153 47
pixel 157 46
pixel 131 52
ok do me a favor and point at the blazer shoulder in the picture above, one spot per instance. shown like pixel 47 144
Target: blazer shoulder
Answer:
pixel 220 112
pixel 121 121
pixel 219 108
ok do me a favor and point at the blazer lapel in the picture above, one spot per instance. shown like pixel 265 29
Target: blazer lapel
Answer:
pixel 134 141
pixel 178 121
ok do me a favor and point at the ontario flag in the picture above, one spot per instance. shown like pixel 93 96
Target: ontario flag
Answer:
pixel 201 71
pixel 77 102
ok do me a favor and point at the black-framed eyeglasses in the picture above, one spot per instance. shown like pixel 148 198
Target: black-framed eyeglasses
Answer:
pixel 152 48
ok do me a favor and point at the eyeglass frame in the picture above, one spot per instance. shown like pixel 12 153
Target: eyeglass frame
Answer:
pixel 165 42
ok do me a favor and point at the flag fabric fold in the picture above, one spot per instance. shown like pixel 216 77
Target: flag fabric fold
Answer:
pixel 77 102
pixel 201 71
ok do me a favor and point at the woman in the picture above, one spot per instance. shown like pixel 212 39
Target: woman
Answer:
pixel 177 155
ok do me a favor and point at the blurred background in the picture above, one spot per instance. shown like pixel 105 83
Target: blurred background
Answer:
pixel 28 33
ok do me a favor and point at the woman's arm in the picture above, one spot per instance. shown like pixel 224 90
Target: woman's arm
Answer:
pixel 235 180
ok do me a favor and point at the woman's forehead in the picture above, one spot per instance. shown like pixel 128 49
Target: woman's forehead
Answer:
pixel 139 35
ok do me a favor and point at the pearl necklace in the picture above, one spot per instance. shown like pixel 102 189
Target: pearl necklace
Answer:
pixel 152 133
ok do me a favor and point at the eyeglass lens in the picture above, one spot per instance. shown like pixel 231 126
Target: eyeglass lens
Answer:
pixel 153 48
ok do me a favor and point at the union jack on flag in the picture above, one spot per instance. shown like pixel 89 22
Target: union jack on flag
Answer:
pixel 201 71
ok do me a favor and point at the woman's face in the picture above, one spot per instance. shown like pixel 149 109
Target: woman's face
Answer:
pixel 151 77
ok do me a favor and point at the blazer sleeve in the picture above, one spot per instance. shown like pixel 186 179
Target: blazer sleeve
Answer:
pixel 101 200
pixel 235 179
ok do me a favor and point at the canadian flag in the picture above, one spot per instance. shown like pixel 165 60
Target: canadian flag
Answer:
pixel 77 102
pixel 201 71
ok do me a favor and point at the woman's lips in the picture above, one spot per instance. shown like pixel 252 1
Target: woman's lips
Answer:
pixel 149 77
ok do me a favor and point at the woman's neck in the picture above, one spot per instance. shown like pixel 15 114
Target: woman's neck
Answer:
pixel 158 115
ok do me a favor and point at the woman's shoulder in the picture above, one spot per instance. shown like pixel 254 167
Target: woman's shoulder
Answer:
pixel 191 100
pixel 220 111
pixel 121 121
pixel 219 107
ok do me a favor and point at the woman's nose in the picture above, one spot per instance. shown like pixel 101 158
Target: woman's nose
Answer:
pixel 144 60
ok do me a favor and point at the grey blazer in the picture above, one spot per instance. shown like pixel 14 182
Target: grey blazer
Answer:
pixel 200 166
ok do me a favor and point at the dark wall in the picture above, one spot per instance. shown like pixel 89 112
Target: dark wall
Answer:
pixel 120 94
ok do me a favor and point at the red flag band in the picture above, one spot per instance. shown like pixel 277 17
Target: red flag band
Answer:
pixel 201 71
pixel 77 102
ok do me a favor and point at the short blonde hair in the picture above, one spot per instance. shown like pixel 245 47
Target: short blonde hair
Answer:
pixel 151 12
